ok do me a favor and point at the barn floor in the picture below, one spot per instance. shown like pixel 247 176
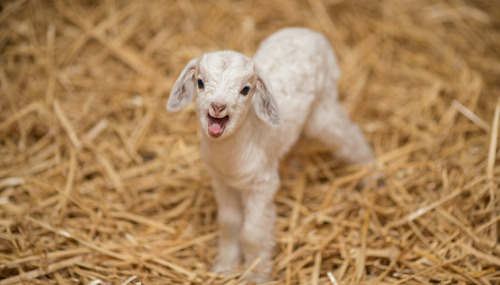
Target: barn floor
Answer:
pixel 100 185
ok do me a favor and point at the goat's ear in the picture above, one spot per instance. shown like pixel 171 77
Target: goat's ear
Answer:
pixel 184 88
pixel 265 104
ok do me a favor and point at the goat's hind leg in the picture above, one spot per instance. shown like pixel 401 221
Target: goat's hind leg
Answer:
pixel 329 123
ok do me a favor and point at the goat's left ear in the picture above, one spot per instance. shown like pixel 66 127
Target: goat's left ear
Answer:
pixel 184 88
pixel 265 104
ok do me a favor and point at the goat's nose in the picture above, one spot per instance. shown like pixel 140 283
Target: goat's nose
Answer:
pixel 218 107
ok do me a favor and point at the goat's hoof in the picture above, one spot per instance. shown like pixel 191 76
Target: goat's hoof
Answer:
pixel 224 268
pixel 258 278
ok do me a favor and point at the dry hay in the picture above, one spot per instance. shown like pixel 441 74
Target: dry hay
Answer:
pixel 99 185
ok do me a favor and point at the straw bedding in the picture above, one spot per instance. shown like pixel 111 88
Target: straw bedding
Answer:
pixel 100 185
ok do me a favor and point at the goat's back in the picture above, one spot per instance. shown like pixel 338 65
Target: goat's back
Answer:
pixel 300 66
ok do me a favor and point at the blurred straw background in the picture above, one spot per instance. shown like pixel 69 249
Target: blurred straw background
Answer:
pixel 100 185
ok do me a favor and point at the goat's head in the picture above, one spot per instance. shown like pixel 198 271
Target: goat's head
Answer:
pixel 228 85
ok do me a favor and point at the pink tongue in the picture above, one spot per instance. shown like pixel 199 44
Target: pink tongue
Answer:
pixel 215 129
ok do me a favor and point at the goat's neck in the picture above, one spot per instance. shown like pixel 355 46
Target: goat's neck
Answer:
pixel 231 150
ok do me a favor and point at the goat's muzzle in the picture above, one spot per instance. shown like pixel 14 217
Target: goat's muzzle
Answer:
pixel 216 126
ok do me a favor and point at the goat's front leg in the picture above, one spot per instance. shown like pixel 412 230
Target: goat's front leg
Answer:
pixel 230 219
pixel 257 234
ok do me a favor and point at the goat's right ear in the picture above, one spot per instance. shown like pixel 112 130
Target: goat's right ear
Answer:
pixel 184 88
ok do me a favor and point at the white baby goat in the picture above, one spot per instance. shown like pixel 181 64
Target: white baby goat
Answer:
pixel 251 112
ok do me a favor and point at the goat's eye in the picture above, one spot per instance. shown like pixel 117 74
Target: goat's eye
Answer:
pixel 200 84
pixel 245 90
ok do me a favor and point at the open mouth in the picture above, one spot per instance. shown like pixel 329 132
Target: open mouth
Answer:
pixel 216 125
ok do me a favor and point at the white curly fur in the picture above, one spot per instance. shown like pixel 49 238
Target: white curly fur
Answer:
pixel 292 89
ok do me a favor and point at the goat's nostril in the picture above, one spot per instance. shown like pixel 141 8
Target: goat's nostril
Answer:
pixel 218 107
